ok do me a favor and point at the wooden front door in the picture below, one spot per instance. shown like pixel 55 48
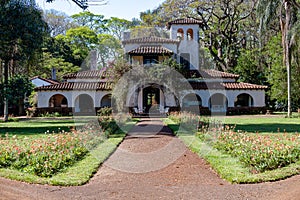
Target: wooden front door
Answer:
pixel 151 99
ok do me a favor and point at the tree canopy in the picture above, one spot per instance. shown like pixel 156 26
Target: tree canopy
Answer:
pixel 21 32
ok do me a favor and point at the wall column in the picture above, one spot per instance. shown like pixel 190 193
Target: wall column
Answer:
pixel 140 100
pixel 161 101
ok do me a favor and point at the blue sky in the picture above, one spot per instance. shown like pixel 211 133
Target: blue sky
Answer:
pixel 126 9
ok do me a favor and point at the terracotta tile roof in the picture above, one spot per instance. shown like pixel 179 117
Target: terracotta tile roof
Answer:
pixel 228 86
pixel 78 86
pixel 217 74
pixel 100 74
pixel 209 73
pixel 47 80
pixel 243 86
pixel 150 40
pixel 184 21
pixel 150 50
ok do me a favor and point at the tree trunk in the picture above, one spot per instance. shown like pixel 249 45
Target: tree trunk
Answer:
pixel 21 107
pixel 5 112
pixel 287 53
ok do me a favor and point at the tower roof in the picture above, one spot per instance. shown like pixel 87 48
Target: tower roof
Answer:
pixel 150 40
pixel 184 21
pixel 150 50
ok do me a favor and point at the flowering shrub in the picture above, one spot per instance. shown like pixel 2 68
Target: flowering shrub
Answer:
pixel 260 152
pixel 187 120
pixel 46 156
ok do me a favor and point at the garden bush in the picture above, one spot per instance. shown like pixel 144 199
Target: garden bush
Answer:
pixel 259 152
pixel 49 155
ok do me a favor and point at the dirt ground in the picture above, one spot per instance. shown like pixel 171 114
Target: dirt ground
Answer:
pixel 153 164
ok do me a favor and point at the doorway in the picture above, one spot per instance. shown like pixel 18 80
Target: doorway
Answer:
pixel 151 99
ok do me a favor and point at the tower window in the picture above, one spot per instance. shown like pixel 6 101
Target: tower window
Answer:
pixel 180 34
pixel 190 34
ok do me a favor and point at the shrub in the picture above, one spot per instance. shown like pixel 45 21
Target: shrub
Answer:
pixel 49 155
pixel 105 111
pixel 260 152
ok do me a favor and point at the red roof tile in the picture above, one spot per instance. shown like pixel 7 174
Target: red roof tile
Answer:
pixel 150 40
pixel 100 74
pixel 228 86
pixel 78 86
pixel 243 86
pixel 184 21
pixel 209 73
pixel 217 74
pixel 150 50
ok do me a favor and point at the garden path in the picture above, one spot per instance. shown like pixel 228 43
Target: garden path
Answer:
pixel 153 164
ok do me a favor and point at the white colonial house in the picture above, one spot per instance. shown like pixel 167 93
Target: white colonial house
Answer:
pixel 215 91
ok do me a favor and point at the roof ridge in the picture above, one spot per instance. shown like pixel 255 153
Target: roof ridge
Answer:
pixel 47 80
pixel 150 39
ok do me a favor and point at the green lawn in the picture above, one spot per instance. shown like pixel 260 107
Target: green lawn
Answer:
pixel 242 156
pixel 36 126
pixel 33 130
pixel 264 124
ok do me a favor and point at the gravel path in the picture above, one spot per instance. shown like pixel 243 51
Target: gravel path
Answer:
pixel 153 164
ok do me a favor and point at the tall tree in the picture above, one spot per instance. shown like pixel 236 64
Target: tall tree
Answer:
pixel 97 23
pixel 222 22
pixel 19 86
pixel 58 22
pixel 109 49
pixel 168 11
pixel 117 26
pixel 269 10
pixel 225 25
pixel 21 33
pixel 81 41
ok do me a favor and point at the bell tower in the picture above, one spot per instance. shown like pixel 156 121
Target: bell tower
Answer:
pixel 187 31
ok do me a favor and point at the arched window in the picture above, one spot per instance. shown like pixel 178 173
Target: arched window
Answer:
pixel 58 100
pixel 218 103
pixel 180 34
pixel 191 100
pixel 190 34
pixel 243 100
pixel 106 101
pixel 84 103
pixel 64 102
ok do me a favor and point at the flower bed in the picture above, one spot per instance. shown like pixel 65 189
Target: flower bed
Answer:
pixel 260 152
pixel 49 155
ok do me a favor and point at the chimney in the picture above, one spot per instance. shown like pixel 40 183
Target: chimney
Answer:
pixel 93 60
pixel 126 35
pixel 53 74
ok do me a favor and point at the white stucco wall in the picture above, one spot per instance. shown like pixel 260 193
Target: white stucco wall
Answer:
pixel 44 97
pixel 188 46
pixel 257 95
pixel 167 100
pixel 184 27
